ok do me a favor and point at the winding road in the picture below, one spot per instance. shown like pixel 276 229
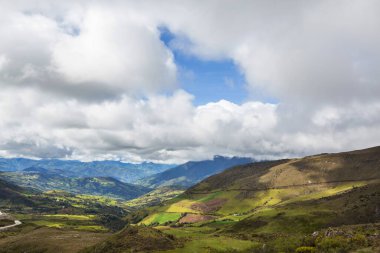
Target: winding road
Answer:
pixel 17 222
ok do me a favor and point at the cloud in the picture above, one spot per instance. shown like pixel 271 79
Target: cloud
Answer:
pixel 131 126
pixel 313 52
pixel 87 52
pixel 93 80
pixel 113 48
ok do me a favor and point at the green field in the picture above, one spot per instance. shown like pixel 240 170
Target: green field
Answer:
pixel 213 244
pixel 67 221
pixel 161 218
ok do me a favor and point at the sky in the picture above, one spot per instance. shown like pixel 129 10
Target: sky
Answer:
pixel 170 81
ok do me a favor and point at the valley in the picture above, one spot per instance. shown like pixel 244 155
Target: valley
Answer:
pixel 321 203
pixel 6 222
pixel 215 126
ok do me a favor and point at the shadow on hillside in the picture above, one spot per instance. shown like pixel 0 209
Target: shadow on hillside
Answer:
pixel 356 165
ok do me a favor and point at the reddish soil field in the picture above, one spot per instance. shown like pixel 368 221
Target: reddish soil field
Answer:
pixel 192 218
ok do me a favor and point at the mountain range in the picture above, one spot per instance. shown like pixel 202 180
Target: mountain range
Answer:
pixel 126 172
pixel 102 178
pixel 192 172
pixel 40 179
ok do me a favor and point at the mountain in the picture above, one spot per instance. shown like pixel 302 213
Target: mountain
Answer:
pixel 39 170
pixel 126 172
pixel 104 186
pixel 321 203
pixel 11 194
pixel 190 173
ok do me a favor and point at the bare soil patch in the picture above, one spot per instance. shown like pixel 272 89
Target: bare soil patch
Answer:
pixel 192 218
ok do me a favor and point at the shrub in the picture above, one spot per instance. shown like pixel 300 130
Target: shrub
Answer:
pixel 285 244
pixel 305 249
pixel 336 244
pixel 359 240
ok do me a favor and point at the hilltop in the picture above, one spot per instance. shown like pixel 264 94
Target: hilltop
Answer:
pixel 277 203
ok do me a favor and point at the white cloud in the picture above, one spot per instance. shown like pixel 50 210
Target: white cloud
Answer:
pixel 314 52
pixel 133 126
pixel 85 80
pixel 90 52
pixel 114 49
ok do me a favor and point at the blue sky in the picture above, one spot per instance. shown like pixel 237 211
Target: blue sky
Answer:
pixel 208 81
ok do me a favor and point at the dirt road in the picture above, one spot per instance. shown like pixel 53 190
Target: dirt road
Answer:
pixel 17 222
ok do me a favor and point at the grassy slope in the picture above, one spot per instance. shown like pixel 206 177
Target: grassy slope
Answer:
pixel 60 209
pixel 32 239
pixel 56 221
pixel 11 194
pixel 37 234
pixel 133 239
pixel 154 197
pixel 280 199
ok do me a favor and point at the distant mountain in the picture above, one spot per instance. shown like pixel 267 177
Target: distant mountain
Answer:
pixel 37 169
pixel 126 172
pixel 104 186
pixel 192 172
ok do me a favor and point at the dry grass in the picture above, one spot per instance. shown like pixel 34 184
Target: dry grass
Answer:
pixel 50 240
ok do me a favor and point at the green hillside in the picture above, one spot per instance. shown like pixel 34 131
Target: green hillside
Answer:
pixel 11 194
pixel 55 221
pixel 132 239
pixel 154 197
pixel 278 205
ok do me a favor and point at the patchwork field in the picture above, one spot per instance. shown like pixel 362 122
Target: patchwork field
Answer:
pixel 280 206
pixel 253 208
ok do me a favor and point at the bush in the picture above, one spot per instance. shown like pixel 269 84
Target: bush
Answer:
pixel 336 244
pixel 112 222
pixel 285 244
pixel 305 249
pixel 358 241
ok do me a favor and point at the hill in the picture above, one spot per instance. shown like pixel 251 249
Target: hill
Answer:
pixel 154 197
pixel 135 239
pixel 324 168
pixel 105 186
pixel 281 206
pixel 126 172
pixel 190 173
pixel 11 194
